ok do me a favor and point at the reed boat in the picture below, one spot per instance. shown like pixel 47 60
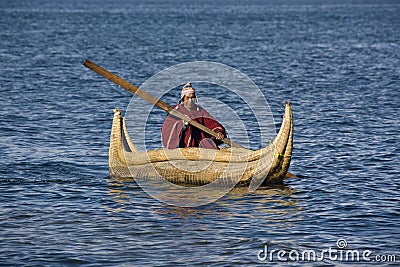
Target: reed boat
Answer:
pixel 200 166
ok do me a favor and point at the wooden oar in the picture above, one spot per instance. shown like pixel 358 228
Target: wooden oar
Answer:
pixel 152 99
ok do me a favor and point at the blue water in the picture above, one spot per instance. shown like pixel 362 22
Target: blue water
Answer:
pixel 336 61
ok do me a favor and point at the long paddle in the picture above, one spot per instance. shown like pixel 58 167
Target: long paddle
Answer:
pixel 152 99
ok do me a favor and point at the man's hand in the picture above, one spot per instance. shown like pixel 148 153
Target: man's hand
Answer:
pixel 220 136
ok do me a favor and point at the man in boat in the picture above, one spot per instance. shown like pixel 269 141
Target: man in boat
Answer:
pixel 176 133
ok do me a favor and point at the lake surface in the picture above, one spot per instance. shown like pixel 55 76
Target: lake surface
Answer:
pixel 338 62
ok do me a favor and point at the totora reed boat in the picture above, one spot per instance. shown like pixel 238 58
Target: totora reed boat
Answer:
pixel 200 166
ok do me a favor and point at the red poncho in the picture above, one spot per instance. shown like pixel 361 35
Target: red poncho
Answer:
pixel 176 134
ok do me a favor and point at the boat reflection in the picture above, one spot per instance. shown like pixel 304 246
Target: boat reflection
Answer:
pixel 276 203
